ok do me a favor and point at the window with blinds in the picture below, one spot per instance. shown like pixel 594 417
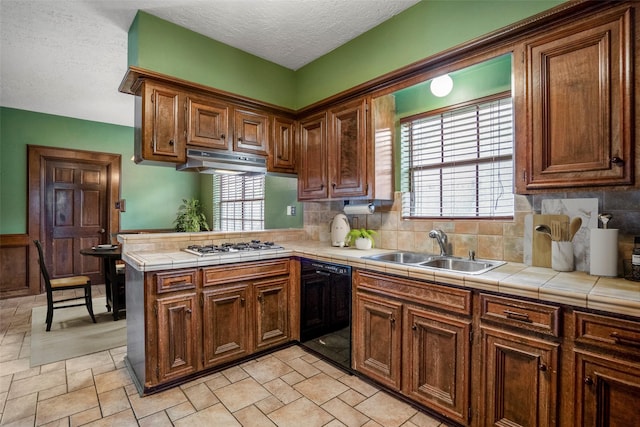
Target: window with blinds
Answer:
pixel 458 163
pixel 238 202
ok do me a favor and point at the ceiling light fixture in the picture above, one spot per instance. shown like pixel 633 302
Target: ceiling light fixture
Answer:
pixel 441 85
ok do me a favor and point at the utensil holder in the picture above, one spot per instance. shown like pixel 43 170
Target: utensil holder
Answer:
pixel 562 255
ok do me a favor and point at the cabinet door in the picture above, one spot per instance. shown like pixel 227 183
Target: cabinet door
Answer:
pixel 282 146
pixel 348 150
pixel 377 338
pixel 177 341
pixel 271 314
pixel 225 321
pixel 161 136
pixel 437 362
pixel 207 123
pixel 519 380
pixel 579 98
pixel 251 131
pixel 607 391
pixel 312 167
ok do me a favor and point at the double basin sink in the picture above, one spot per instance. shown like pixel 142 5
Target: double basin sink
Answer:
pixel 438 262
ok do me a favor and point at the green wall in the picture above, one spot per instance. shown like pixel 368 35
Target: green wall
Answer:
pixel 281 191
pixel 423 30
pixel 164 47
pixel 152 193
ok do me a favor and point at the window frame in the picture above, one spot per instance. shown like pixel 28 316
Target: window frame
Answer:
pixel 220 203
pixel 407 176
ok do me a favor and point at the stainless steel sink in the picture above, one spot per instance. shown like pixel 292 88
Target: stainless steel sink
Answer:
pixel 438 262
pixel 401 257
pixel 461 264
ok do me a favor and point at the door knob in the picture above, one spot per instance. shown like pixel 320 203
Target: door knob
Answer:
pixel 102 230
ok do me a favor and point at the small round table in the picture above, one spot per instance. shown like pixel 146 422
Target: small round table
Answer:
pixel 114 283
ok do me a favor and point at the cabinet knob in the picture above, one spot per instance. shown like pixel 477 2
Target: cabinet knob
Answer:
pixel 187 310
pixel 242 301
pixel 414 327
pixel 333 185
pixel 392 320
pixel 542 367
pixel 222 136
pixel 171 142
pixel 588 381
pixel 239 139
pixel 617 161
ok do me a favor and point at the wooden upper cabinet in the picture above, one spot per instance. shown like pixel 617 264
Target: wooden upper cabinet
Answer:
pixel 312 166
pixel 159 132
pixel 348 150
pixel 251 131
pixel 207 123
pixel 282 149
pixel 578 98
pixel 334 157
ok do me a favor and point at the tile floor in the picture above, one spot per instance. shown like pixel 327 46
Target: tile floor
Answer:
pixel 289 387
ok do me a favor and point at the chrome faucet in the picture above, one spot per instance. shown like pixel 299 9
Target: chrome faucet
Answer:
pixel 441 237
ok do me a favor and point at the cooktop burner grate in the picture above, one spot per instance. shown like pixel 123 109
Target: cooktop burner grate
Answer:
pixel 254 245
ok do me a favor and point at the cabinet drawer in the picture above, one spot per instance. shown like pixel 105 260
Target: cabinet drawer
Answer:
pixel 172 281
pixel 426 294
pixel 607 332
pixel 525 315
pixel 222 274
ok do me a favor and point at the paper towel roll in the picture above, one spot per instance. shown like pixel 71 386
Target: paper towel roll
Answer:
pixel 604 252
pixel 359 209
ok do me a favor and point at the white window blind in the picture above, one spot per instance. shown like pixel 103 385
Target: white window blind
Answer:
pixel 238 202
pixel 459 163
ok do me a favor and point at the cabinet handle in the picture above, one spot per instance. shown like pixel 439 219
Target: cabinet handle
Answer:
pixel 392 320
pixel 588 380
pixel 625 340
pixel 239 139
pixel 333 185
pixel 187 310
pixel 260 297
pixel 523 317
pixel 222 136
pixel 414 327
pixel 617 161
pixel 171 142
pixel 542 367
pixel 242 301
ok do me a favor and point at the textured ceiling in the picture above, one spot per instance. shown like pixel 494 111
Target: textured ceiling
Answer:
pixel 67 57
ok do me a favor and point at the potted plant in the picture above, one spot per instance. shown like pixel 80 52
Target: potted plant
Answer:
pixel 190 217
pixel 362 238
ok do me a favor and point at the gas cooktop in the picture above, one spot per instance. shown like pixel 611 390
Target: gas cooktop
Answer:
pixel 254 245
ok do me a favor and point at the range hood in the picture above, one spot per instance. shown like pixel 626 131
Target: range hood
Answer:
pixel 223 162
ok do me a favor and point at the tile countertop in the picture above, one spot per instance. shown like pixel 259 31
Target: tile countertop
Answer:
pixel 579 289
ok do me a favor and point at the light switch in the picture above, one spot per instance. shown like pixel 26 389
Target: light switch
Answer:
pixel 291 210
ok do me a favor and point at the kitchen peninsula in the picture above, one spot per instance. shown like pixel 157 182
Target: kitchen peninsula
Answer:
pixel 551 328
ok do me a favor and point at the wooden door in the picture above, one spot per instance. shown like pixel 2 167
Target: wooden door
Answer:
pixel 312 165
pixel 272 313
pixel 282 146
pixel 75 217
pixel 437 362
pixel 225 321
pixel 207 123
pixel 519 380
pixel 607 391
pixel 177 341
pixel 348 150
pixel 376 339
pixel 579 101
pixel 251 131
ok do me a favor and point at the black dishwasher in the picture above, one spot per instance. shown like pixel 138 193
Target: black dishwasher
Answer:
pixel 325 310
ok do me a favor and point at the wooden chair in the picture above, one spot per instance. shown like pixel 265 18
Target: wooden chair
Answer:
pixel 63 284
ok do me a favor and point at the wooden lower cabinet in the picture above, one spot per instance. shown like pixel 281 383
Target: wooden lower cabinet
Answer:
pixel 377 334
pixel 271 314
pixel 225 318
pixel 519 380
pixel 186 321
pixel 436 363
pixel 607 391
pixel 177 343
pixel 422 351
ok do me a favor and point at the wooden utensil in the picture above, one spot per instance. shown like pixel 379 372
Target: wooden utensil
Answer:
pixel 556 231
pixel 574 226
pixel 541 243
